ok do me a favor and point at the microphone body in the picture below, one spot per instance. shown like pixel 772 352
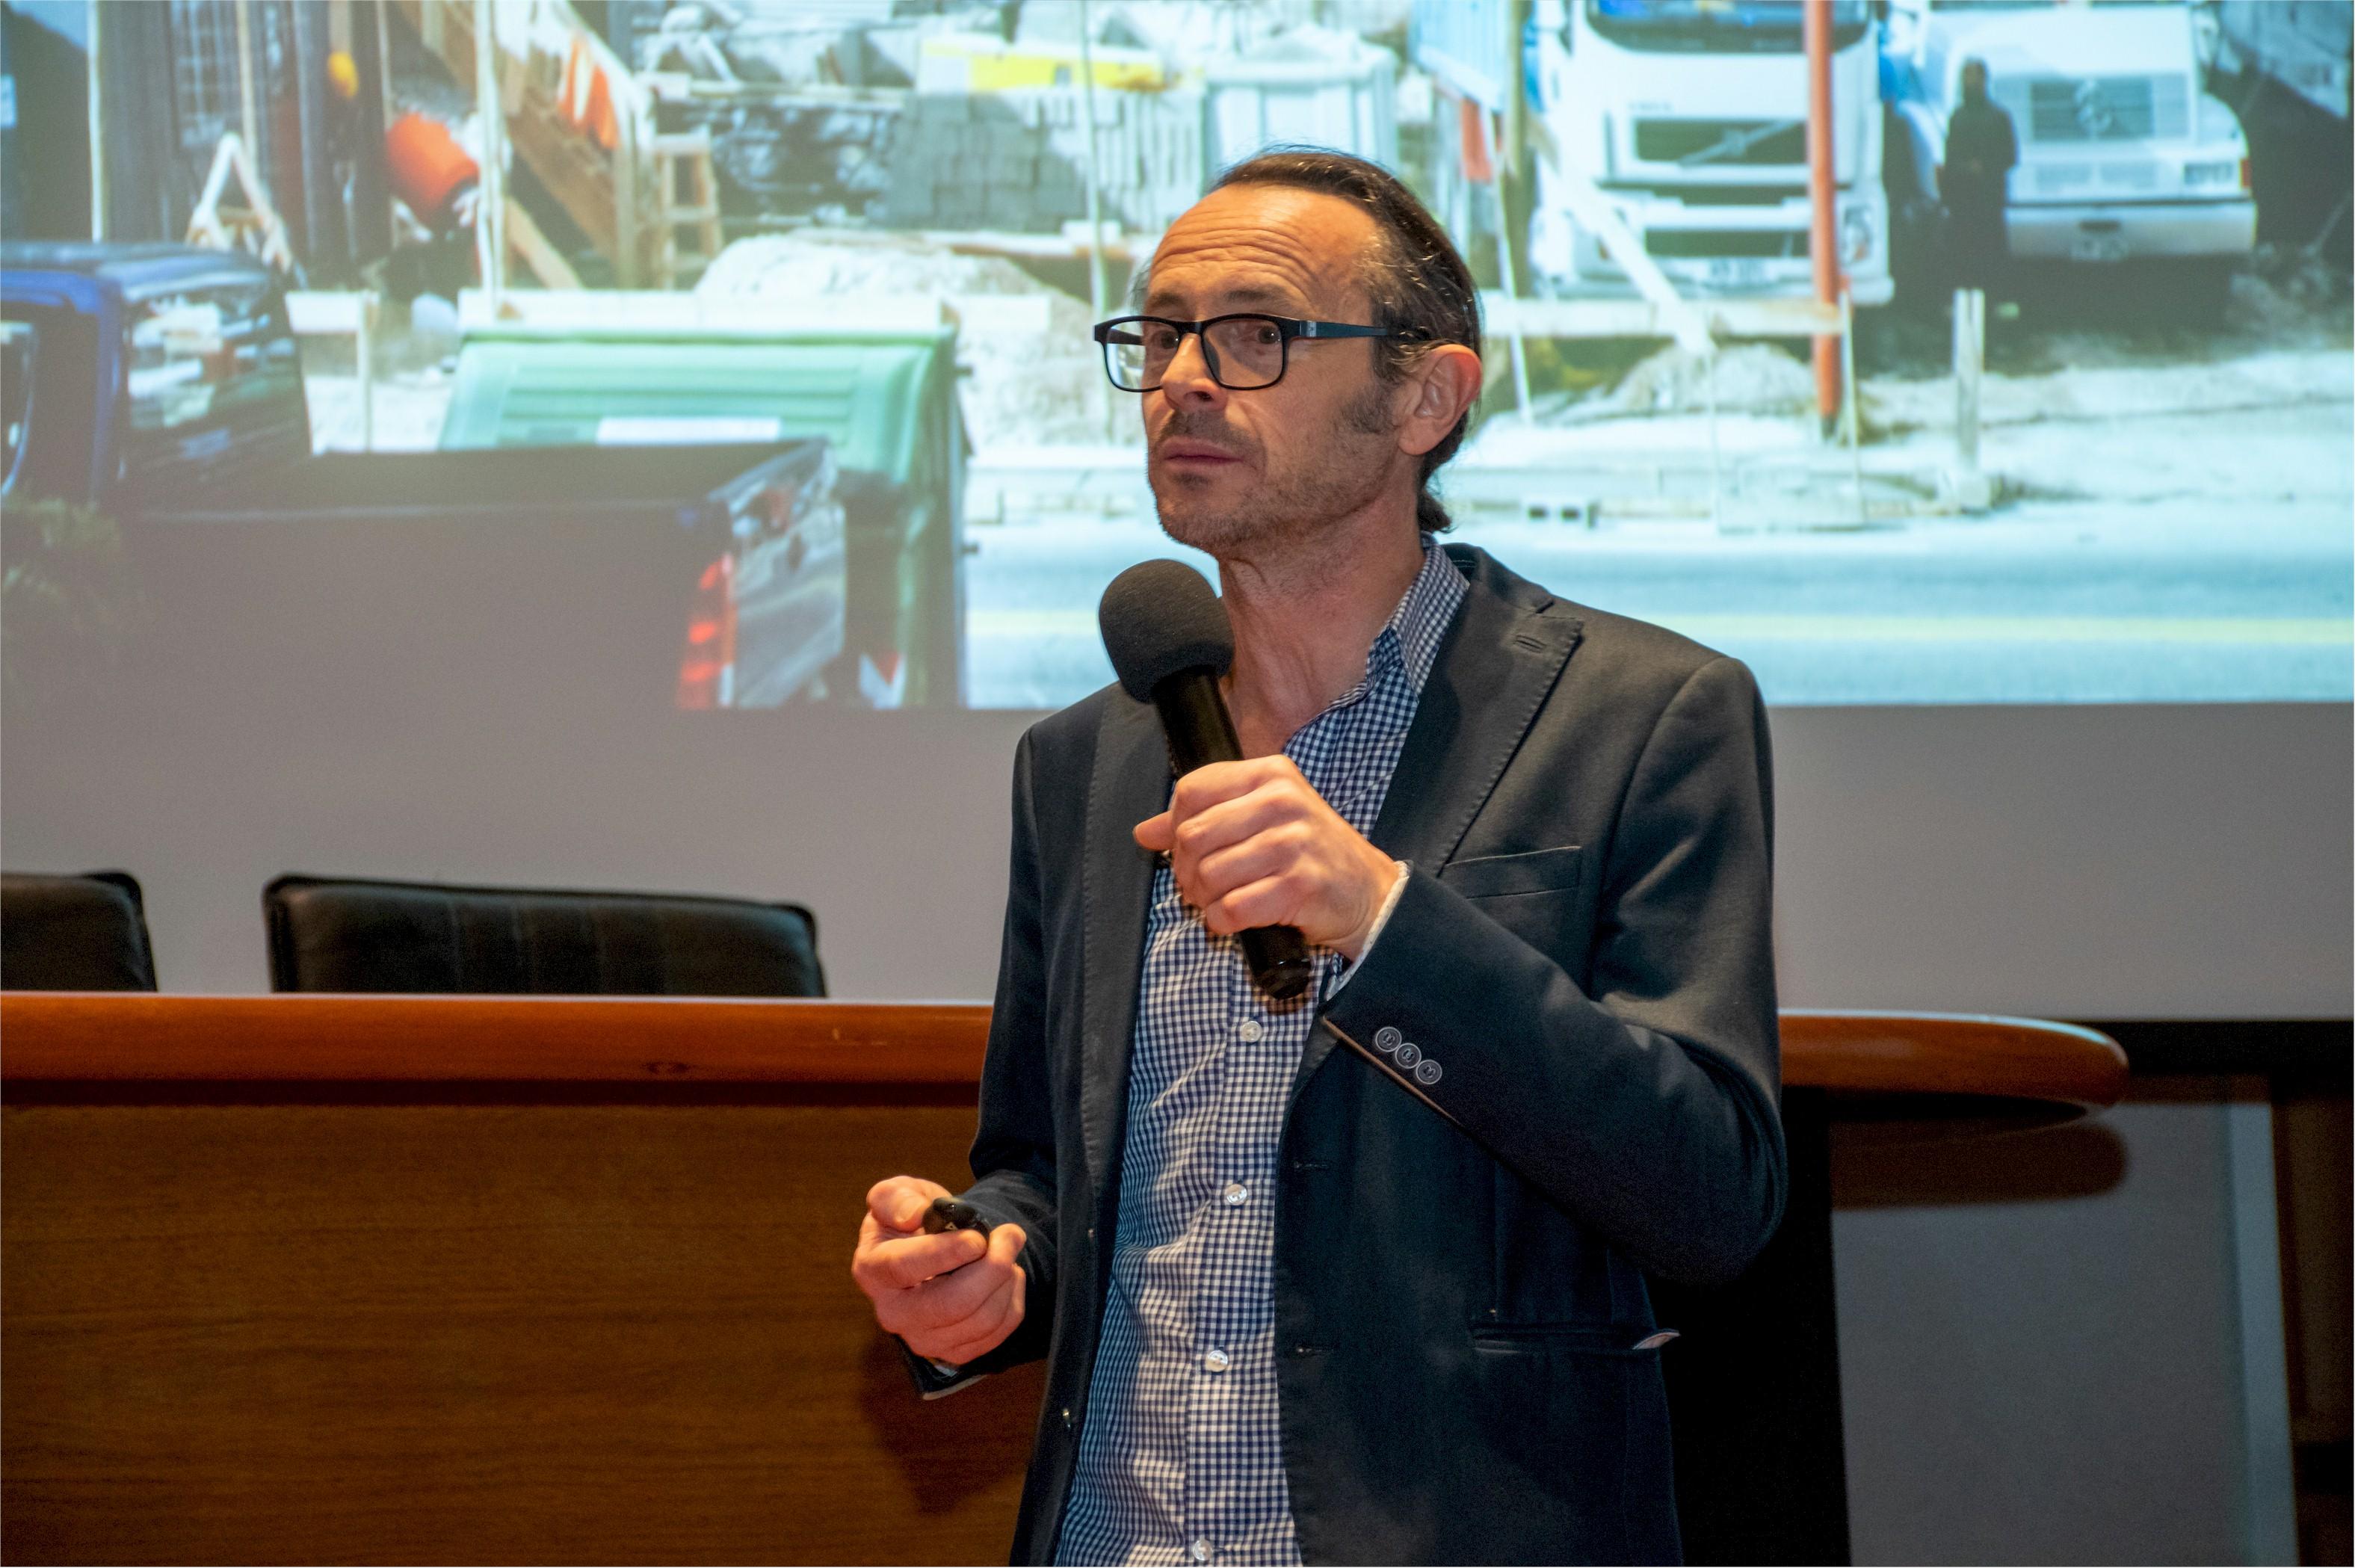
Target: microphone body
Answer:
pixel 1201 731
pixel 1169 640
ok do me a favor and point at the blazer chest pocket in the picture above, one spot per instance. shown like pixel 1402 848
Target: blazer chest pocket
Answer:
pixel 1511 876
pixel 1539 896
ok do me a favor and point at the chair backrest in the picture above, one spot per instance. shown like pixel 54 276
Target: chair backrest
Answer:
pixel 335 934
pixel 74 933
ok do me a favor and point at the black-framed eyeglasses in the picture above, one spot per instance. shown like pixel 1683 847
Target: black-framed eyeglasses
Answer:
pixel 1243 353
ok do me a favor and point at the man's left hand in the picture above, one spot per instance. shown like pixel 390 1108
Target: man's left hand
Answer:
pixel 1253 844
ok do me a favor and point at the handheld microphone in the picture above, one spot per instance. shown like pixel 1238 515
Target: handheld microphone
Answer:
pixel 1170 641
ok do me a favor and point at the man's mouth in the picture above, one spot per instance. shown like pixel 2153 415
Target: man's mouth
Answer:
pixel 1196 454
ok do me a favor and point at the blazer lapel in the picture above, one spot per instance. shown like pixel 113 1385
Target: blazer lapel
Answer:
pixel 1493 673
pixel 1131 782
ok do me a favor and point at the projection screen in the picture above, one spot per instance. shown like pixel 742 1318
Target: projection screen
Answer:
pixel 557 496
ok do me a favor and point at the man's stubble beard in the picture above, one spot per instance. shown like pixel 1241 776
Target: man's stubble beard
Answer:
pixel 1339 475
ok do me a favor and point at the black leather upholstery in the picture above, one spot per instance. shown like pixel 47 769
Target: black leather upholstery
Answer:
pixel 74 933
pixel 345 935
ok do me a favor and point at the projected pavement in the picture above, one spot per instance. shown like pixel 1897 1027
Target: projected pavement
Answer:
pixel 2194 546
pixel 2055 603
pixel 2162 512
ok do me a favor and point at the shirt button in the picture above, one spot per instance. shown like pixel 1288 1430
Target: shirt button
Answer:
pixel 1199 1551
pixel 1217 1361
pixel 1235 1194
pixel 1250 1030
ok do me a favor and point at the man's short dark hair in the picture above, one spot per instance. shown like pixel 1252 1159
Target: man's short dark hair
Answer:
pixel 1415 278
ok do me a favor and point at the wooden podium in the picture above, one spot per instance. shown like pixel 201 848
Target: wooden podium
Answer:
pixel 363 1279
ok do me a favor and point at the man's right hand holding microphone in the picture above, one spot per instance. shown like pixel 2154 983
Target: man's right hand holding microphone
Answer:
pixel 951 1296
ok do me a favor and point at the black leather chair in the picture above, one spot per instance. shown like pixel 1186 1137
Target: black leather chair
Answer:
pixel 334 935
pixel 74 933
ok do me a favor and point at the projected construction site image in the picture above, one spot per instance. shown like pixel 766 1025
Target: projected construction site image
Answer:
pixel 2030 386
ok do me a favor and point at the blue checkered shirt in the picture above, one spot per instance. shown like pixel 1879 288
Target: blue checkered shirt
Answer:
pixel 1181 1458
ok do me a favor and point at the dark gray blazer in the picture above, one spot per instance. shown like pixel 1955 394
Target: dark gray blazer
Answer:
pixel 1583 953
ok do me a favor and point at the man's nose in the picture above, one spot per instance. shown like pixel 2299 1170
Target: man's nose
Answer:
pixel 1187 382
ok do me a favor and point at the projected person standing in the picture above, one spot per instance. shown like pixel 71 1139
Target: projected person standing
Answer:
pixel 1975 183
pixel 1360 1277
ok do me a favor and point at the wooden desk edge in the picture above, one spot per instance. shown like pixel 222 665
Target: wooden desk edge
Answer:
pixel 129 1037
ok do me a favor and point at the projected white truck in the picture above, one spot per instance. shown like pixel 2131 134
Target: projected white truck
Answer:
pixel 1690 115
pixel 2123 157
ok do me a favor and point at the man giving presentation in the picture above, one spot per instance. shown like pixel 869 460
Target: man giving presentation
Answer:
pixel 1357 1277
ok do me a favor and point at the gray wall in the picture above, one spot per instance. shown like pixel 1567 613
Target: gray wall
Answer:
pixel 2066 1347
pixel 2079 862
pixel 2074 862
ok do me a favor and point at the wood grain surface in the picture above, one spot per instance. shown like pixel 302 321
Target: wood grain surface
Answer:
pixel 98 1036
pixel 1876 1053
pixel 295 1323
pixel 107 1037
pixel 475 1333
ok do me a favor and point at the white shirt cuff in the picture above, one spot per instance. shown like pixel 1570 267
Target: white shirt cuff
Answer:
pixel 1381 918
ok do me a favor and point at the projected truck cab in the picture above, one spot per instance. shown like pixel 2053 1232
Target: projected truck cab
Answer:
pixel 1691 118
pixel 2124 154
pixel 1717 26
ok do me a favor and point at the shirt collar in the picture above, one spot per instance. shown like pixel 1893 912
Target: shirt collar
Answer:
pixel 1409 641
pixel 1412 636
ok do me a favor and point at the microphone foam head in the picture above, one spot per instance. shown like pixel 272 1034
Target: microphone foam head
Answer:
pixel 1160 617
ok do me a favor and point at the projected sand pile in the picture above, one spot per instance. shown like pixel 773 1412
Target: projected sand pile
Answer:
pixel 1027 382
pixel 1750 377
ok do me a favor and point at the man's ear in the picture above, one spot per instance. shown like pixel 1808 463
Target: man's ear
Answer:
pixel 1440 387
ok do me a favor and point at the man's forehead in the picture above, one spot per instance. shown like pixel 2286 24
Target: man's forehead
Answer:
pixel 1271 246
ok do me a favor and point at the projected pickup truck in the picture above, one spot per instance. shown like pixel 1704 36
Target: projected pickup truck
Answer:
pixel 160 388
pixel 584 369
pixel 137 372
pixel 768 617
